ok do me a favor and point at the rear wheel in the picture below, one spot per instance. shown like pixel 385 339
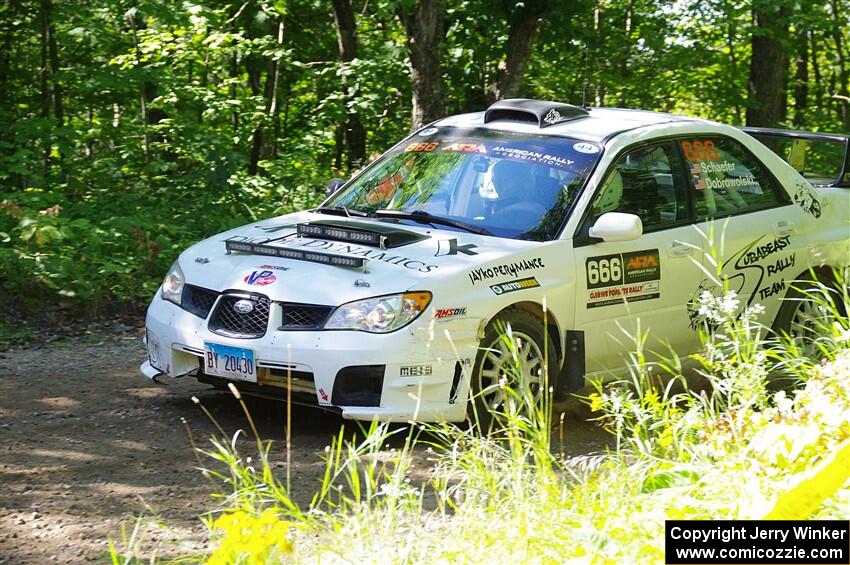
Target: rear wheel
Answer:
pixel 524 362
pixel 807 307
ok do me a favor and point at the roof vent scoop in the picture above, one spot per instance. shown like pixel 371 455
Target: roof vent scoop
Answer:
pixel 540 112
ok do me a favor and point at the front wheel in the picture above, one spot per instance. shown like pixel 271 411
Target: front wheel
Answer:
pixel 516 359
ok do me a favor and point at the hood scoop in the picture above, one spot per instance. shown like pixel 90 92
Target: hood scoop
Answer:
pixel 376 235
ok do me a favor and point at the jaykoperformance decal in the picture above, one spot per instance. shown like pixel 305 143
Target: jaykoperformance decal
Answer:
pixel 507 269
pixel 623 277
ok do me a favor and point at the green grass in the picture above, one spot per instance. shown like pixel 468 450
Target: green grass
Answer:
pixel 737 450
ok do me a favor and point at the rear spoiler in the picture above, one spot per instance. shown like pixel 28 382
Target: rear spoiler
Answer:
pixel 822 158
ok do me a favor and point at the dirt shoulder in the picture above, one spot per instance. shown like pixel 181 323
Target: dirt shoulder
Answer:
pixel 87 444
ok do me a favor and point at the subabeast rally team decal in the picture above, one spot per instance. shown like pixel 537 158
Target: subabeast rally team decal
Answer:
pixel 623 277
pixel 757 261
pixel 757 271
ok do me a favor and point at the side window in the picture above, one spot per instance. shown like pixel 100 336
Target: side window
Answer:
pixel 726 178
pixel 647 183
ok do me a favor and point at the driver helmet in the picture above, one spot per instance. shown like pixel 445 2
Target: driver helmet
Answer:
pixel 612 194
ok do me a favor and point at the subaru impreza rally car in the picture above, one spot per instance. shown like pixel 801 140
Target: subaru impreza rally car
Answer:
pixel 572 225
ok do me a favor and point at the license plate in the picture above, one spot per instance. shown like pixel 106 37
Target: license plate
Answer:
pixel 229 362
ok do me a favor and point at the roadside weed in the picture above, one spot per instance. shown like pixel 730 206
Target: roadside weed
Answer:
pixel 431 493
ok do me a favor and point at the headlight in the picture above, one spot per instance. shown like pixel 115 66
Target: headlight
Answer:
pixel 380 315
pixel 172 285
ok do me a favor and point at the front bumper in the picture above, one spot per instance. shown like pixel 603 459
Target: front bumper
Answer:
pixel 420 372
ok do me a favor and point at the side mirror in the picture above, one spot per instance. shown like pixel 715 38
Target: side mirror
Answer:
pixel 332 186
pixel 617 226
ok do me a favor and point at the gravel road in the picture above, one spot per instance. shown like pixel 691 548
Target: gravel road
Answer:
pixel 87 444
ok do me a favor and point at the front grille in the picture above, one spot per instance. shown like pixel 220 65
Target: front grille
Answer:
pixel 199 301
pixel 228 322
pixel 304 316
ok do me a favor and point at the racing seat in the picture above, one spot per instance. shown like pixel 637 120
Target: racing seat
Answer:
pixel 514 183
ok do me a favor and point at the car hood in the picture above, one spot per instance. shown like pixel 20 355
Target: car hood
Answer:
pixel 412 258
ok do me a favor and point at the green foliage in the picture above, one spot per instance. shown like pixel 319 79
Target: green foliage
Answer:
pixel 496 498
pixel 154 124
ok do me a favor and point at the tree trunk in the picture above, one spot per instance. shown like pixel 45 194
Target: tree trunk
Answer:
pixel 816 71
pixel 53 53
pixel 135 24
pixel 767 104
pixel 598 41
pixel 43 82
pixel 270 95
pixel 233 73
pixel 425 31
pixel 625 74
pixel 731 46
pixel 511 70
pixel 801 79
pixel 355 133
pixel 838 25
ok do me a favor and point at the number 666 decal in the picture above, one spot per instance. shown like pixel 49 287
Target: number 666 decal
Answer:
pixel 623 268
pixel 606 270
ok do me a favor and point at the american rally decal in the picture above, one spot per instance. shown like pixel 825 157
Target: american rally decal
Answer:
pixel 623 277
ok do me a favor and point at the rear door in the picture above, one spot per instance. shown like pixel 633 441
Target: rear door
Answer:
pixel 756 236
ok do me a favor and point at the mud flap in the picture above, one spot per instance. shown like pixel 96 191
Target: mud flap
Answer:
pixel 571 378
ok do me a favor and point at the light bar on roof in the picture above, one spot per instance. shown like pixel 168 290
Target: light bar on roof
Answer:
pixel 342 234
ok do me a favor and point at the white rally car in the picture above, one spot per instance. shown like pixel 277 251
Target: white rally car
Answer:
pixel 386 300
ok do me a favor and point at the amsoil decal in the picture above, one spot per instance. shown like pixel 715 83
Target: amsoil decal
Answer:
pixel 623 277
pixel 260 278
pixel 444 313
pixel 415 371
pixel 513 286
pixel 506 270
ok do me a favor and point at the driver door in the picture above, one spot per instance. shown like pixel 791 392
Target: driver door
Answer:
pixel 629 287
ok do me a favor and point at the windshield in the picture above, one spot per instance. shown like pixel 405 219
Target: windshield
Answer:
pixel 513 186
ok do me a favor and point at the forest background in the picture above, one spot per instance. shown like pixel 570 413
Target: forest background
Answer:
pixel 131 129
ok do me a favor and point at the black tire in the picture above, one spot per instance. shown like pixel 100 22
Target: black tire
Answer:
pixel 531 337
pixel 799 315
